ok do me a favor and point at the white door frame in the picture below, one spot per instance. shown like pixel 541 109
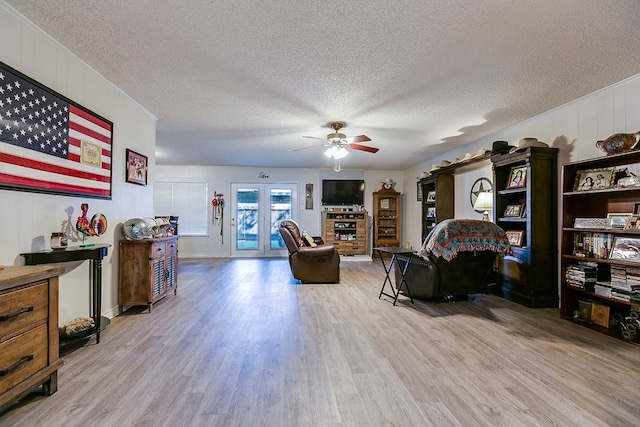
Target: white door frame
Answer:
pixel 263 221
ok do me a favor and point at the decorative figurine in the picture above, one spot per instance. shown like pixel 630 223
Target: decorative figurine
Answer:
pixel 619 143
pixel 96 227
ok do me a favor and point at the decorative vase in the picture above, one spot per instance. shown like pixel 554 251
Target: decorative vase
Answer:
pixel 619 143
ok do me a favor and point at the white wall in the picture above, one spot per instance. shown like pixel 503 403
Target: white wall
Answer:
pixel 574 128
pixel 29 218
pixel 221 177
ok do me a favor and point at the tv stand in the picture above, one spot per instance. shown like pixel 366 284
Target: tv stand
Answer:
pixel 346 230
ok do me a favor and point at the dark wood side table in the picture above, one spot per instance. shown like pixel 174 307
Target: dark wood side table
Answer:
pixel 394 252
pixel 94 254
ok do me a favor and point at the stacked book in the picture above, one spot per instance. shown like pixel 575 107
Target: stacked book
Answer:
pixel 618 277
pixel 583 275
pixel 603 288
pixel 623 289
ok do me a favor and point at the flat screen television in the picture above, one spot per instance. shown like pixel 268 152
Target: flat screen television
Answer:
pixel 339 192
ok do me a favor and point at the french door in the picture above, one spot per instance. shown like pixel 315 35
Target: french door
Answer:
pixel 256 210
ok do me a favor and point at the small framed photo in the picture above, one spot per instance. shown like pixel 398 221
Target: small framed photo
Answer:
pixel 633 223
pixel 636 209
pixel 513 211
pixel 431 196
pixel 431 212
pixel 137 165
pixel 619 221
pixel 515 237
pixel 626 249
pixel 594 179
pixel 517 177
pixel 600 314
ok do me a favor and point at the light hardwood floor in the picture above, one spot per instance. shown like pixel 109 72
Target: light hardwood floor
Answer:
pixel 243 344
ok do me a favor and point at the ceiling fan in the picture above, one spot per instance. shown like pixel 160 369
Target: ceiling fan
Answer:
pixel 337 144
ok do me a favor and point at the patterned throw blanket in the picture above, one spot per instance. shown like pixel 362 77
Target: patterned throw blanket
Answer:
pixel 452 236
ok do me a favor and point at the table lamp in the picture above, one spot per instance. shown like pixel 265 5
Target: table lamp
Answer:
pixel 484 201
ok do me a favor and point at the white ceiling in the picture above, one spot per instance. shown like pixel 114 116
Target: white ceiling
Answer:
pixel 240 82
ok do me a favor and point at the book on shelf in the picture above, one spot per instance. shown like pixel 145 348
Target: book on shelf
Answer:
pixel 602 289
pixel 592 245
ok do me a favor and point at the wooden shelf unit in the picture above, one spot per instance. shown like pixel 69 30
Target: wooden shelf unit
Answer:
pixel 346 230
pixel 440 208
pixel 387 204
pixel 595 204
pixel 529 276
pixel 148 271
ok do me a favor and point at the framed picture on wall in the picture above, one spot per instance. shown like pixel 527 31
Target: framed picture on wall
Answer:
pixel 51 144
pixel 137 165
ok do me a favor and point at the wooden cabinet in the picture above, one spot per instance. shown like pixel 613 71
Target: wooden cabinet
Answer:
pixel 148 270
pixel 527 211
pixel 437 200
pixel 29 355
pixel 386 218
pixel 588 248
pixel 346 230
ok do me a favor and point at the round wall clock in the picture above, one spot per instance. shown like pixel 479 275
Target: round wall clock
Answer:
pixel 481 185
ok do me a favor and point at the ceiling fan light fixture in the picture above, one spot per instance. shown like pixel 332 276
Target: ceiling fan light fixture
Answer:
pixel 335 152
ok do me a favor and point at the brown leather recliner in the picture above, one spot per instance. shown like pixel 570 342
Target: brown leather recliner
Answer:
pixel 457 258
pixel 310 264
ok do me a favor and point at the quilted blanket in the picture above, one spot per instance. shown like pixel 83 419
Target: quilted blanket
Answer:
pixel 452 236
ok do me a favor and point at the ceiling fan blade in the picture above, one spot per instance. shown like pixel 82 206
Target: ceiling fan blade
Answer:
pixel 314 137
pixel 306 148
pixel 357 138
pixel 364 148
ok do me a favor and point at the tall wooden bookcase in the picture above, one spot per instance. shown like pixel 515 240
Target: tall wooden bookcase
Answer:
pixel 386 218
pixel 580 247
pixel 437 200
pixel 528 211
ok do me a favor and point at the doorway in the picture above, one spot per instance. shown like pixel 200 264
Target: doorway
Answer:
pixel 256 210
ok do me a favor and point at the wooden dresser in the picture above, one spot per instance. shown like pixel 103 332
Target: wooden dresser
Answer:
pixel 148 270
pixel 29 355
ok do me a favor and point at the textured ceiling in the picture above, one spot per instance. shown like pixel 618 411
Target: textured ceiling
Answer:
pixel 241 82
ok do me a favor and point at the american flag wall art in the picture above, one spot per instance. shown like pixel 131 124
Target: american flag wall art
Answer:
pixel 49 144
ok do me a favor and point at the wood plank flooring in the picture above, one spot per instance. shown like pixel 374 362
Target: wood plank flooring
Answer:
pixel 244 344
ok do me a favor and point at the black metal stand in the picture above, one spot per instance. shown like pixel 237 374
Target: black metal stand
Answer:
pixel 394 252
pixel 94 254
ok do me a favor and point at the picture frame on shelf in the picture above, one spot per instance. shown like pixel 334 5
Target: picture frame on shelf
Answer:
pixel 625 249
pixel 618 221
pixel 600 314
pixel 431 212
pixel 594 179
pixel 604 223
pixel 633 223
pixel 517 177
pixel 513 211
pixel 515 237
pixel 636 209
pixel 137 166
pixel 431 197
